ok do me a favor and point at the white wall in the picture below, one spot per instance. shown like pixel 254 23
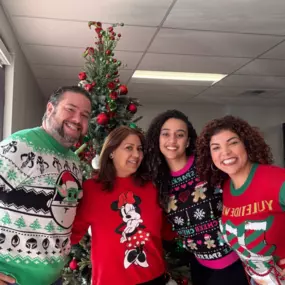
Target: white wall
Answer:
pixel 269 120
pixel 24 103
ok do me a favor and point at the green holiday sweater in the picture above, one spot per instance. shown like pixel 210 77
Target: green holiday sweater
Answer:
pixel 253 221
pixel 40 184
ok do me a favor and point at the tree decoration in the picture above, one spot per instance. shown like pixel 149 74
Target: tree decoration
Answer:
pixel 100 77
pixel 73 265
pixel 132 108
pixel 82 75
pixel 102 119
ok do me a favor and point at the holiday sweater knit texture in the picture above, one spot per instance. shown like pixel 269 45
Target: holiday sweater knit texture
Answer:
pixel 40 183
pixel 127 229
pixel 253 220
pixel 195 210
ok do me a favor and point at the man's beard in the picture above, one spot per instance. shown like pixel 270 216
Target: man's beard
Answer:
pixel 57 131
pixel 63 135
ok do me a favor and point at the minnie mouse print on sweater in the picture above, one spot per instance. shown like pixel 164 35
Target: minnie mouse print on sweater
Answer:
pixel 131 229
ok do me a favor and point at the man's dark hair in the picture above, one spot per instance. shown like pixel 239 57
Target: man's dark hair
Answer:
pixel 55 97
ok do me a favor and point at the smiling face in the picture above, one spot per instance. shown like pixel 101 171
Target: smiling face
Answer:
pixel 173 139
pixel 229 153
pixel 128 156
pixel 68 120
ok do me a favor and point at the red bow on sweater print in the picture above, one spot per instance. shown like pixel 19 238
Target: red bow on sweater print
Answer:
pixel 131 230
pixel 126 198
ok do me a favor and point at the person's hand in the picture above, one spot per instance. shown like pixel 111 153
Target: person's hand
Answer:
pixel 282 262
pixel 4 279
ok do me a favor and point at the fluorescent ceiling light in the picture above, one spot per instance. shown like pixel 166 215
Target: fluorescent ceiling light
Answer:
pixel 167 75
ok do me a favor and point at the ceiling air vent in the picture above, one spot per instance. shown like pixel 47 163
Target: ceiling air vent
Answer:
pixel 254 93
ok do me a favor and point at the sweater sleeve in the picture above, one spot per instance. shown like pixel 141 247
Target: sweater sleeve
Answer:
pixel 15 163
pixel 82 219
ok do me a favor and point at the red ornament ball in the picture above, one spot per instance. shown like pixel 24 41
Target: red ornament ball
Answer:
pixel 82 76
pixel 108 52
pixel 132 108
pixel 113 95
pixel 110 29
pixel 111 85
pixel 73 265
pixel 88 87
pixel 117 80
pixel 102 119
pixel 119 35
pixel 91 50
pixel 123 90
pixel 77 145
pixel 98 30
pixel 99 24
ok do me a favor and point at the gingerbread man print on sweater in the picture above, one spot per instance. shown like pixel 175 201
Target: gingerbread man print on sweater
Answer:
pixel 199 192
pixel 131 229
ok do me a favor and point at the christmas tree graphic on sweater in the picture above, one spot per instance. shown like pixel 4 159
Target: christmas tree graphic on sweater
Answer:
pixel 40 184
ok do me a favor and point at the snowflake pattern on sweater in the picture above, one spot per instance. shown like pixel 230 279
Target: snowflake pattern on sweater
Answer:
pixel 40 184
pixel 194 210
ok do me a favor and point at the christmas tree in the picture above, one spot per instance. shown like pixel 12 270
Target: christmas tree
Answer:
pixel 6 219
pixel 20 223
pixel 111 107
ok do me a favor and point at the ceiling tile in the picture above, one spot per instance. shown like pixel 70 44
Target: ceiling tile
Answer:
pixel 55 72
pixel 243 96
pixel 48 86
pixel 264 67
pixel 253 82
pixel 255 16
pixel 231 92
pixel 276 53
pixel 68 72
pixel 71 56
pixel 163 93
pixel 77 34
pixel 189 63
pixel 211 43
pixel 147 12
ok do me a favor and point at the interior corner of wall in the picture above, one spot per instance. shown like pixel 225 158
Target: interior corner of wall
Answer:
pixel 8 101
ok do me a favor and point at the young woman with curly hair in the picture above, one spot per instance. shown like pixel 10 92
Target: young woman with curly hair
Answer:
pixel 193 208
pixel 234 154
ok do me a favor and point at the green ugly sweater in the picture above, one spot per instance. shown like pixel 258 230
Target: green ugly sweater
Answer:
pixel 40 184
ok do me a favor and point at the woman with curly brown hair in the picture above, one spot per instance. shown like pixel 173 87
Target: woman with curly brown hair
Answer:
pixel 192 206
pixel 234 154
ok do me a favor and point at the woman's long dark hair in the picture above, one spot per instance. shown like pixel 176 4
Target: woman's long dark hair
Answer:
pixel 157 165
pixel 107 171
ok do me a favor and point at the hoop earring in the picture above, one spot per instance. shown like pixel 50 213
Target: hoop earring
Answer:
pixel 214 168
